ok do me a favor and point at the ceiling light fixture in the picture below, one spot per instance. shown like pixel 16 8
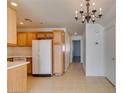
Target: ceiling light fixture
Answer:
pixel 21 23
pixel 28 20
pixel 41 22
pixel 14 4
pixel 88 15
pixel 75 33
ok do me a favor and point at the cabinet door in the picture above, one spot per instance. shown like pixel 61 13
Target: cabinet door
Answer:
pixel 11 77
pixel 29 66
pixel 21 80
pixel 17 80
pixel 63 37
pixel 58 60
pixel 30 36
pixel 21 38
pixel 11 26
pixel 49 35
pixel 57 37
pixel 41 35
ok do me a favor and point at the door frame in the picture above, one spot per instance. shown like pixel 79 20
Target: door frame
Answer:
pixel 73 41
pixel 78 37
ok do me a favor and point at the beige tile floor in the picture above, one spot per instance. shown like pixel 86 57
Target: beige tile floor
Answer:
pixel 73 81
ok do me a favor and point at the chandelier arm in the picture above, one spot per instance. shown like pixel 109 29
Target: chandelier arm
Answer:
pixel 88 15
pixel 97 16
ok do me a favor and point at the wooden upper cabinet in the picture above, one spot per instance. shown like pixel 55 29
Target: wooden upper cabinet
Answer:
pixel 49 35
pixel 30 36
pixel 24 39
pixel 41 35
pixel 57 37
pixel 45 35
pixel 63 37
pixel 21 39
pixel 11 26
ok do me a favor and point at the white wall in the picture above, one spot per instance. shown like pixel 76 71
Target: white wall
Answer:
pixel 67 50
pixel 77 37
pixel 84 49
pixel 109 53
pixel 19 51
pixel 109 43
pixel 94 52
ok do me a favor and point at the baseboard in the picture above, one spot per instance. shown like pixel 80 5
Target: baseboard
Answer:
pixel 29 74
pixel 41 75
pixel 58 74
pixel 109 81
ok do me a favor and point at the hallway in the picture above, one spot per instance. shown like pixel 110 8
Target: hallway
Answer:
pixel 73 81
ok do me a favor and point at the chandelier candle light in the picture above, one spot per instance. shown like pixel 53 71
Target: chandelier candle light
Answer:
pixel 88 15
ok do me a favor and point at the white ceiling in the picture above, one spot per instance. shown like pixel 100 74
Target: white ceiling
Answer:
pixel 56 13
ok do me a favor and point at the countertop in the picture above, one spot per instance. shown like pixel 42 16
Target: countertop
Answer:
pixel 11 65
pixel 18 56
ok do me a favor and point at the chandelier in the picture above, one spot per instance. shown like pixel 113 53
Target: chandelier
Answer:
pixel 90 14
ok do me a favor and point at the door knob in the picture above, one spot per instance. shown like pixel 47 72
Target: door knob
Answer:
pixel 113 59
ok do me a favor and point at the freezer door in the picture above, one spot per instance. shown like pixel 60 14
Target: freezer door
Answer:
pixel 45 56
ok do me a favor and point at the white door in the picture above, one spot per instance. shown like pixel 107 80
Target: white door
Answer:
pixel 110 56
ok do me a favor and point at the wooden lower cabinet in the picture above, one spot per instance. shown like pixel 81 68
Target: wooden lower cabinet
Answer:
pixel 29 66
pixel 17 80
pixel 58 65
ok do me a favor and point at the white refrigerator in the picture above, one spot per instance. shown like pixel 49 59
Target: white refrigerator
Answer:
pixel 42 57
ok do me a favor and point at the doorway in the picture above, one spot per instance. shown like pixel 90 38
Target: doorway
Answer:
pixel 76 57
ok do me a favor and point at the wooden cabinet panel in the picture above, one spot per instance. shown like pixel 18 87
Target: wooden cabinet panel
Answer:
pixel 21 39
pixel 58 61
pixel 45 35
pixel 17 80
pixel 49 35
pixel 63 37
pixel 11 26
pixel 29 66
pixel 57 37
pixel 25 39
pixel 41 35
pixel 30 36
pixel 11 77
pixel 10 59
pixel 58 53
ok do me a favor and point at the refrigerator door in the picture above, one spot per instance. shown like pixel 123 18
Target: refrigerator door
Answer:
pixel 35 57
pixel 45 57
